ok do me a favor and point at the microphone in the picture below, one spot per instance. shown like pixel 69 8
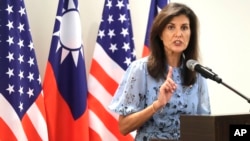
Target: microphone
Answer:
pixel 204 71
pixel 208 73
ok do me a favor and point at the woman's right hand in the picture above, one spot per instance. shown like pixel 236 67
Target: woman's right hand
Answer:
pixel 166 91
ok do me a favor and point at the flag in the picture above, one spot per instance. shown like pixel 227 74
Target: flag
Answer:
pixel 65 83
pixel 155 8
pixel 22 113
pixel 113 53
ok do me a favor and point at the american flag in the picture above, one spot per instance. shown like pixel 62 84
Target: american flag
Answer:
pixel 155 8
pixel 65 84
pixel 22 113
pixel 113 53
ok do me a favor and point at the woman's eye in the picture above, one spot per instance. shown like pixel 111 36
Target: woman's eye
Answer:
pixel 170 27
pixel 184 27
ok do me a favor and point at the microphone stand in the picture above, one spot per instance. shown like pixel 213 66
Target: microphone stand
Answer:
pixel 210 74
pixel 243 96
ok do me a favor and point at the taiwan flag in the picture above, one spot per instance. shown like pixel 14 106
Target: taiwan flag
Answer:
pixel 65 86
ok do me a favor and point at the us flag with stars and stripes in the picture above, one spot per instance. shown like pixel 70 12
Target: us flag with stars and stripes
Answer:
pixel 113 53
pixel 155 8
pixel 22 113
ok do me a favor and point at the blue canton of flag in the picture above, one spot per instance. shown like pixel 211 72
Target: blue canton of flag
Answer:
pixel 115 33
pixel 20 82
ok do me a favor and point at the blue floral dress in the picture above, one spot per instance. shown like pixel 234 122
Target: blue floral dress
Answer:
pixel 138 90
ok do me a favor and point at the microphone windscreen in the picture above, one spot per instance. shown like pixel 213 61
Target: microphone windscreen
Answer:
pixel 191 64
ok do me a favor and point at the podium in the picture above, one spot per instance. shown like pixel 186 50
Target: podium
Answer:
pixel 210 127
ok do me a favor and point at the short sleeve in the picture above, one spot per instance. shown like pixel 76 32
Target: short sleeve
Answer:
pixel 130 94
pixel 204 100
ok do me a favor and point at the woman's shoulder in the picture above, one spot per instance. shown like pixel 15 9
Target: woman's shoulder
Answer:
pixel 140 61
pixel 138 65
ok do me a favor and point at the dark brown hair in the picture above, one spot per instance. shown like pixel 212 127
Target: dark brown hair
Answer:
pixel 157 60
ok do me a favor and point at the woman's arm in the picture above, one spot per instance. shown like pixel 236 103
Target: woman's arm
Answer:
pixel 133 121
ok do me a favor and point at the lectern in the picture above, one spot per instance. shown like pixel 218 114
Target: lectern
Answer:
pixel 210 127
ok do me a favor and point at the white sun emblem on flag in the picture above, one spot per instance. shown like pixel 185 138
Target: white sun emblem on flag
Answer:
pixel 70 33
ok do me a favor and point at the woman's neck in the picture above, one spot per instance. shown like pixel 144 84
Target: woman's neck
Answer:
pixel 174 60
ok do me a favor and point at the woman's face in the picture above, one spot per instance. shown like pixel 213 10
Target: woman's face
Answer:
pixel 176 35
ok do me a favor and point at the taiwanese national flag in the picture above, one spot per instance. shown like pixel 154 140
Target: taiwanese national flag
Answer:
pixel 155 8
pixel 113 53
pixel 65 85
pixel 22 113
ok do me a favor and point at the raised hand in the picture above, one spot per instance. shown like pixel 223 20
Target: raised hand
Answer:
pixel 166 90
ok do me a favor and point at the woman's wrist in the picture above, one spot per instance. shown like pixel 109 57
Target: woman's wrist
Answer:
pixel 156 106
pixel 153 107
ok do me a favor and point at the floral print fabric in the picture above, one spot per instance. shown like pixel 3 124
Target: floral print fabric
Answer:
pixel 138 90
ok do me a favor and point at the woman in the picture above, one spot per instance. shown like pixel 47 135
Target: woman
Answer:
pixel 157 89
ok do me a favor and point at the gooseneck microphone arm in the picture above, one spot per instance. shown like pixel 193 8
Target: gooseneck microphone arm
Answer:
pixel 208 73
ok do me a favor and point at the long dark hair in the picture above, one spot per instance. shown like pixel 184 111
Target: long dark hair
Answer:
pixel 157 58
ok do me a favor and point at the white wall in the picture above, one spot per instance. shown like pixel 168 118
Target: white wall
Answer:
pixel 224 40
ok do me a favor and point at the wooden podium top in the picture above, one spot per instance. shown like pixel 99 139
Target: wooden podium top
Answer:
pixel 163 140
pixel 210 127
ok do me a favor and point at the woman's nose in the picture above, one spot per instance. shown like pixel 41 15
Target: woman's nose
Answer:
pixel 178 33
